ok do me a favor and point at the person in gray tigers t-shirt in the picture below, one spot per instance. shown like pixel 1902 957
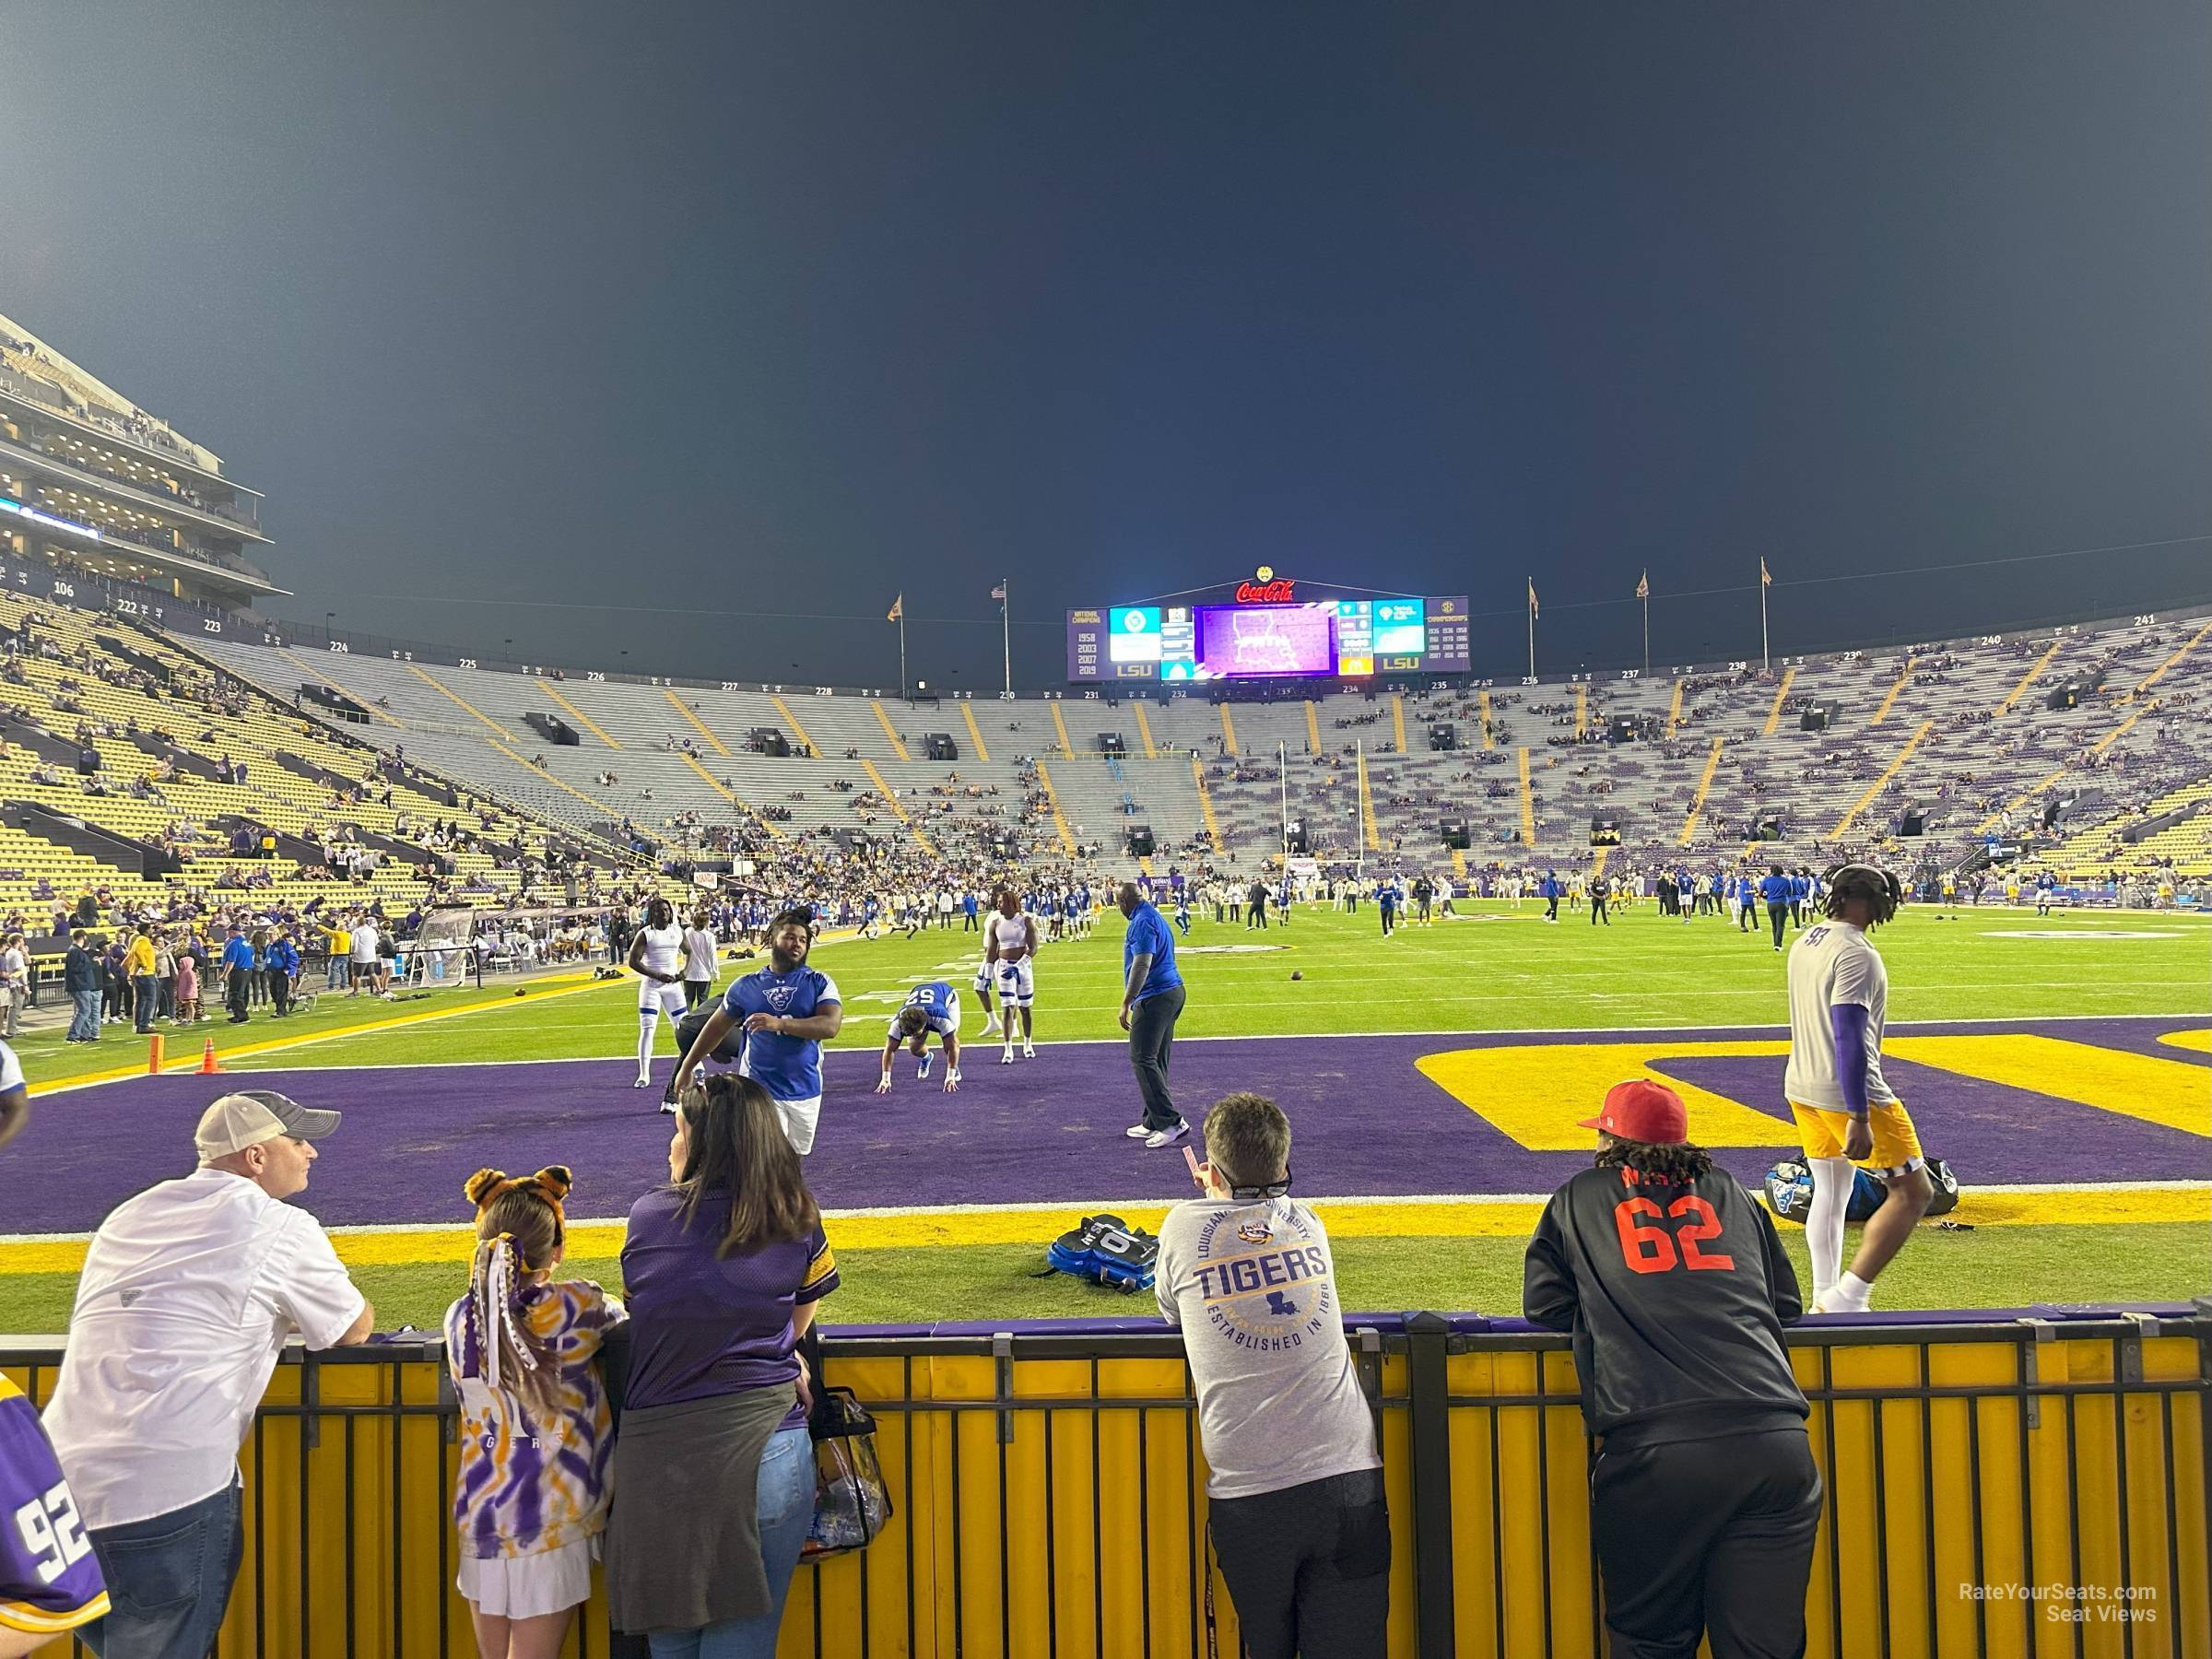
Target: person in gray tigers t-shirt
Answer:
pixel 1295 1482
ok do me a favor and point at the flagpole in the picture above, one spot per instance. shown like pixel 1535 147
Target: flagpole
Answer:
pixel 1766 659
pixel 1005 631
pixel 1531 628
pixel 902 682
pixel 1647 632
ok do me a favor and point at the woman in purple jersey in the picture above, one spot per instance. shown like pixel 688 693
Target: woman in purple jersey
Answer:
pixel 723 1268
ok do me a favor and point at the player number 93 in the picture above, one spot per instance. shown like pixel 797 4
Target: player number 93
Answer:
pixel 51 1532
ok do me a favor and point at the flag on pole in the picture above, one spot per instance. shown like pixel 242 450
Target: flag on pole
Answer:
pixel 897 608
pixel 1766 577
pixel 999 592
pixel 1643 585
pixel 1533 611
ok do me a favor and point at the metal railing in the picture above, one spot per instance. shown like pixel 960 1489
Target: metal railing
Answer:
pixel 1989 1478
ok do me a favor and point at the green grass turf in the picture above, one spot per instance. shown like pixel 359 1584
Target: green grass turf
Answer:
pixel 1991 1266
pixel 1515 973
pixel 1510 973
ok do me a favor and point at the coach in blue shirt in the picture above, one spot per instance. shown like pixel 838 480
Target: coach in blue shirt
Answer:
pixel 1151 1003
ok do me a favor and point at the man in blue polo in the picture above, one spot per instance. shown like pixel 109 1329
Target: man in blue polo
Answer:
pixel 787 1011
pixel 1151 1003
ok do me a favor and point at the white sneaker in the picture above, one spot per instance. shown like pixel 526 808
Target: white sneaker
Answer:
pixel 668 1108
pixel 643 1081
pixel 1028 1053
pixel 1168 1137
pixel 1006 1058
pixel 1138 1132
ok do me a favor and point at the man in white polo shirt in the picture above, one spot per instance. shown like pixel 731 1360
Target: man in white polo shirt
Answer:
pixel 188 1295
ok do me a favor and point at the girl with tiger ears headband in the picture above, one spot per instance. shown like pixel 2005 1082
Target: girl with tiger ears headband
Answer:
pixel 521 1229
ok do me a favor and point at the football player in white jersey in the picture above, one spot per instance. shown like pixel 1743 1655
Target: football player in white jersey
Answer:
pixel 1010 945
pixel 656 955
pixel 1846 1112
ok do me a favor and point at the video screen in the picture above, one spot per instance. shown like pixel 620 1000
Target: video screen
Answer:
pixel 1241 641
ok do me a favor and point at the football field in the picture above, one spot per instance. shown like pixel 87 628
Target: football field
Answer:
pixel 2062 1065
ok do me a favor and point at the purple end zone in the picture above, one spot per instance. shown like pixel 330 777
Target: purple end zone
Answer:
pixel 1045 1131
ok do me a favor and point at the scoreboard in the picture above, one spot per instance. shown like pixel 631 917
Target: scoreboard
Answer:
pixel 1276 639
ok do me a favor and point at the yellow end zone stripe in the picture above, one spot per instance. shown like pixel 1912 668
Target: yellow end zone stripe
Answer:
pixel 1346 1218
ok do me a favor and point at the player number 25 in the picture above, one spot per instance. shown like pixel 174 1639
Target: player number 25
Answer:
pixel 1651 1249
pixel 53 1532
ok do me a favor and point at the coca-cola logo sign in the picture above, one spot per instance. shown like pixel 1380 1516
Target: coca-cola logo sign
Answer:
pixel 1266 592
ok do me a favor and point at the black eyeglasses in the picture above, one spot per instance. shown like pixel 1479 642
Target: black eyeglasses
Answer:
pixel 1274 1189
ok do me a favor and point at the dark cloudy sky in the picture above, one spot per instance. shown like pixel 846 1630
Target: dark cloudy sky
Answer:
pixel 697 331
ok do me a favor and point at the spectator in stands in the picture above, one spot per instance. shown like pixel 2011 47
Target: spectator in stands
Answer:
pixel 82 978
pixel 1704 1497
pixel 724 1267
pixel 188 1294
pixel 1295 1480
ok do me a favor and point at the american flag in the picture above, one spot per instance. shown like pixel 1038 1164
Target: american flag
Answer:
pixel 999 592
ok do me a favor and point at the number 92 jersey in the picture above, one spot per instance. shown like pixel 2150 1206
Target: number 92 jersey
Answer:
pixel 50 1580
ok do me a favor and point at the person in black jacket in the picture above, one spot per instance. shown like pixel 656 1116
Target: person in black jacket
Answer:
pixel 82 978
pixel 1704 1497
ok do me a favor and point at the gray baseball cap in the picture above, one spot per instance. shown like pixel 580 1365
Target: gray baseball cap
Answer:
pixel 252 1115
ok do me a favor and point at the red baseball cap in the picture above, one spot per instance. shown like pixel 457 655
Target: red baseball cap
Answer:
pixel 1641 1110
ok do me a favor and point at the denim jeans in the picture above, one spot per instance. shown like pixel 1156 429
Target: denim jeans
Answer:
pixel 85 1028
pixel 144 989
pixel 169 1580
pixel 786 1510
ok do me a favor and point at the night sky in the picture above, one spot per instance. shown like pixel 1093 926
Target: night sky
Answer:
pixel 697 332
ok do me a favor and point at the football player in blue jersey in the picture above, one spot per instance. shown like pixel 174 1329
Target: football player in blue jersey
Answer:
pixel 931 1007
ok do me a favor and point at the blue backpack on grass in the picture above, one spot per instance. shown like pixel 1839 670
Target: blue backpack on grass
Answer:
pixel 1789 1191
pixel 1106 1249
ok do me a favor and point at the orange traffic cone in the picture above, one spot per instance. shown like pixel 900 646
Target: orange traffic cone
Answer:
pixel 207 1065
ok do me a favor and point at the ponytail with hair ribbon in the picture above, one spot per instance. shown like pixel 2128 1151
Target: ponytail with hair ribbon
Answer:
pixel 499 1265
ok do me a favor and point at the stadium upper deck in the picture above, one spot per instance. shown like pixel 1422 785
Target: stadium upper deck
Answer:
pixel 2065 741
pixel 90 483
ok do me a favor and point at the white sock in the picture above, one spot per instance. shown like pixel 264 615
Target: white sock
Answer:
pixel 1850 1295
pixel 647 1023
pixel 1832 1180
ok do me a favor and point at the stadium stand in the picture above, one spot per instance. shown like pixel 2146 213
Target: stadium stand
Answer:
pixel 138 772
pixel 1933 756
